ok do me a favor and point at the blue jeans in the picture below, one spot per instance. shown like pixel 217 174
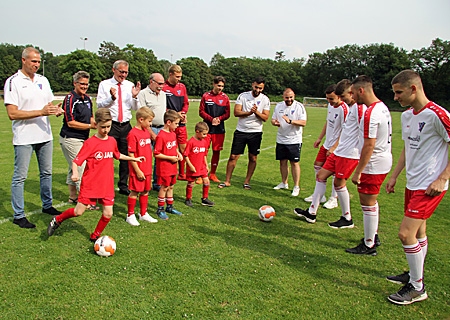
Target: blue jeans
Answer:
pixel 22 157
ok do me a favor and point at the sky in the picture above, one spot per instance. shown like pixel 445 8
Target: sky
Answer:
pixel 176 29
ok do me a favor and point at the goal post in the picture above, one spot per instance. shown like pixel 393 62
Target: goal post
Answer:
pixel 315 102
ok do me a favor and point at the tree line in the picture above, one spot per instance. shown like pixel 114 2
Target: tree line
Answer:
pixel 307 77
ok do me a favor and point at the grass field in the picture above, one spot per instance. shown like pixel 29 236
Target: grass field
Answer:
pixel 213 263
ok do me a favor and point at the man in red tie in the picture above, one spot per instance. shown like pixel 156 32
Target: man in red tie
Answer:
pixel 120 96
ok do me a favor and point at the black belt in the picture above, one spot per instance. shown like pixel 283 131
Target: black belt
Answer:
pixel 121 124
pixel 158 127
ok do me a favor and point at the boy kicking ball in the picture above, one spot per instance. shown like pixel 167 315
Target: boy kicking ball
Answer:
pixel 98 177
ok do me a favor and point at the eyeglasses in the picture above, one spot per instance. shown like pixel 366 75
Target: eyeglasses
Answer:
pixel 159 83
pixel 122 71
pixel 83 84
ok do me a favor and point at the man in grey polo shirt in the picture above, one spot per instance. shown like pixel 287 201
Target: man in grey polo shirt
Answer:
pixel 154 98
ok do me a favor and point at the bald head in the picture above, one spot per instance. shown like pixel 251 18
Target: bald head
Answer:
pixel 288 96
pixel 156 82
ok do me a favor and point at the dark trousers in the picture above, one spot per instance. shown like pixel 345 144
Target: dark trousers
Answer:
pixel 120 133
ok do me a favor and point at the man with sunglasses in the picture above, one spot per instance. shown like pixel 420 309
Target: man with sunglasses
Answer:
pixel 120 96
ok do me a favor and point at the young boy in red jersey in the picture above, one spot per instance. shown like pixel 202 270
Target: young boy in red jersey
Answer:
pixel 140 173
pixel 197 164
pixel 98 177
pixel 167 156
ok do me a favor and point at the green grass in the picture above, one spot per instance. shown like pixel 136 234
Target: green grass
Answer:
pixel 213 263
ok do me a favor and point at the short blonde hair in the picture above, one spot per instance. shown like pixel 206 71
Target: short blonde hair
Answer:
pixel 175 68
pixel 201 126
pixel 145 113
pixel 102 115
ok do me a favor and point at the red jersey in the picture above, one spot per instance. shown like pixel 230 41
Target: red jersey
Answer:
pixel 196 151
pixel 166 144
pixel 98 176
pixel 139 143
pixel 213 106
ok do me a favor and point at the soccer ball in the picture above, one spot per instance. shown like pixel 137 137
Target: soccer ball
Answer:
pixel 105 246
pixel 266 213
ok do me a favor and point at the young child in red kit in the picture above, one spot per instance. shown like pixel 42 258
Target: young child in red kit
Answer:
pixel 140 173
pixel 99 152
pixel 197 164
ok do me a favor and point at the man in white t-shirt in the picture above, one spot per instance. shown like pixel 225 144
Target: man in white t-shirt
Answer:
pixel 290 118
pixel 28 101
pixel 426 136
pixel 337 113
pixel 253 109
pixel 375 161
pixel 340 163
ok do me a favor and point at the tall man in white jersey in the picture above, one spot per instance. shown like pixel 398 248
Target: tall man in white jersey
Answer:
pixel 253 109
pixel 375 160
pixel 426 134
pixel 337 112
pixel 341 163
pixel 28 101
pixel 290 118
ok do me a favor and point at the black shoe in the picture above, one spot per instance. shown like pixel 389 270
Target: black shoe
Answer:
pixel 24 223
pixel 125 192
pixel 93 238
pixel 51 211
pixel 311 218
pixel 188 202
pixel 400 278
pixel 52 226
pixel 408 294
pixel 377 240
pixel 362 249
pixel 156 187
pixel 207 202
pixel 341 223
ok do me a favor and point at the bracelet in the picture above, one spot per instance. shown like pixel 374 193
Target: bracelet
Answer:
pixel 290 121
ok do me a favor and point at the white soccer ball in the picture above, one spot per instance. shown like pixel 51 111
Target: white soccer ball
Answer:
pixel 266 213
pixel 105 246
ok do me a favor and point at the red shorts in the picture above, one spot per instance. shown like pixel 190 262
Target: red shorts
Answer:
pixel 217 140
pixel 93 201
pixel 322 155
pixel 140 185
pixel 181 133
pixel 341 167
pixel 371 183
pixel 192 178
pixel 167 181
pixel 418 205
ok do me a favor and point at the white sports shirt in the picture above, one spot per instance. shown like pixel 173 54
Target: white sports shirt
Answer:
pixel 426 135
pixel 335 120
pixel 377 124
pixel 349 141
pixel 288 133
pixel 29 95
pixel 251 123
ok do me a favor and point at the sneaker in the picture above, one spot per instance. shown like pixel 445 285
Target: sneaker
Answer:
pixel 24 223
pixel 148 218
pixel 311 218
pixel 188 202
pixel 93 238
pixel 295 191
pixel 281 185
pixel 132 220
pixel 408 294
pixel 341 223
pixel 377 240
pixel 309 199
pixel 161 214
pixel 213 178
pixel 172 210
pixel 51 211
pixel 199 180
pixel 52 226
pixel 331 203
pixel 207 202
pixel 362 249
pixel 400 278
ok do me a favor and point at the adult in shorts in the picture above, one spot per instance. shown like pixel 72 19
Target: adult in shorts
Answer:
pixel 215 109
pixel 290 118
pixel 337 113
pixel 375 161
pixel 252 108
pixel 426 134
pixel 340 163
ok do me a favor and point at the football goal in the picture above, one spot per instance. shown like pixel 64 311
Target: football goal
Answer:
pixel 315 102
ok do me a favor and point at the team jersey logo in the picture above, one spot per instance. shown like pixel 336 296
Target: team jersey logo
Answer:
pixel 421 125
pixel 40 85
pixel 198 149
pixel 143 142
pixel 171 144
pixel 179 92
pixel 220 101
pixel 100 155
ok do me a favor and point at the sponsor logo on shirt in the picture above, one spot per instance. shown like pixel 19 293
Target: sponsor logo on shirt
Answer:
pixel 198 149
pixel 100 155
pixel 171 144
pixel 143 142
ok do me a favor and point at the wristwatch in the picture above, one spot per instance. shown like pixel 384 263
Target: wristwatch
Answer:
pixel 290 121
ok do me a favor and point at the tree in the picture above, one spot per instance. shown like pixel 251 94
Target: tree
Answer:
pixel 108 54
pixel 280 56
pixel 142 62
pixel 196 75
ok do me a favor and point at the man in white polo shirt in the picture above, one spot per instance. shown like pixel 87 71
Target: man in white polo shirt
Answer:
pixel 28 101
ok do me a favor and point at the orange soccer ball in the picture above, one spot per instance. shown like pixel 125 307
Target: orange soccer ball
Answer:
pixel 105 246
pixel 266 213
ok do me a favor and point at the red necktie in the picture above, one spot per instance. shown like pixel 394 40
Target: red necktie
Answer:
pixel 120 117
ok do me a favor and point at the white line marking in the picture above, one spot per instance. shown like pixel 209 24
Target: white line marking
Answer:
pixel 34 212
